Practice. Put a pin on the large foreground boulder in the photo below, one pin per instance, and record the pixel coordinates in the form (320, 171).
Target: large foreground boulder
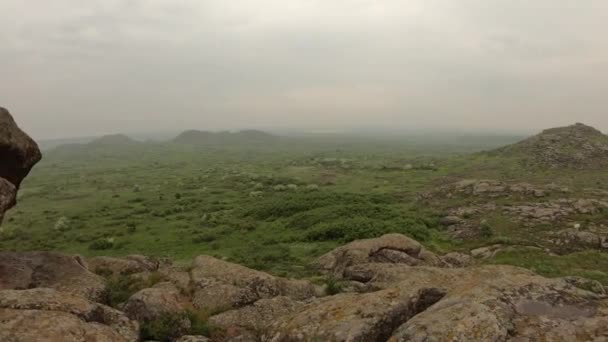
(18, 154)
(25, 270)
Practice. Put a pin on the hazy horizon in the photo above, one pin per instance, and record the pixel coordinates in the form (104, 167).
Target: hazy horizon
(78, 69)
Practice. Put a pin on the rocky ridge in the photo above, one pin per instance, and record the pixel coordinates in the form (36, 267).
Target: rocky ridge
(575, 147)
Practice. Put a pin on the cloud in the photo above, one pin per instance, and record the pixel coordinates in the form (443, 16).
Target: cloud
(75, 67)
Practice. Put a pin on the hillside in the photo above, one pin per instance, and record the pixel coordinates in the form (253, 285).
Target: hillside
(194, 137)
(574, 147)
(113, 139)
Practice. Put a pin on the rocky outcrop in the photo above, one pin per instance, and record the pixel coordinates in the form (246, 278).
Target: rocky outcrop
(41, 313)
(390, 248)
(251, 323)
(503, 303)
(209, 272)
(18, 154)
(69, 274)
(577, 147)
(489, 188)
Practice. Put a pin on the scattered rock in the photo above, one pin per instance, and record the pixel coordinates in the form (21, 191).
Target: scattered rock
(486, 252)
(450, 220)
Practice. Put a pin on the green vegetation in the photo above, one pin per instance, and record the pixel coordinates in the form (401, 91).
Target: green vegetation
(271, 206)
(120, 288)
(171, 326)
(587, 264)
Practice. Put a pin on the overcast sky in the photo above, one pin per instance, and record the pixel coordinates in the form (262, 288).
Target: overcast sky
(79, 68)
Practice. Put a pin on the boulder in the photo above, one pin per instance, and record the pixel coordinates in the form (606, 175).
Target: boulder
(29, 314)
(574, 238)
(18, 154)
(152, 303)
(456, 259)
(123, 266)
(214, 296)
(247, 323)
(450, 220)
(496, 303)
(263, 285)
(390, 248)
(25, 270)
(354, 317)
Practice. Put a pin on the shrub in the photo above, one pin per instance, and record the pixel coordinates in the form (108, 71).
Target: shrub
(165, 329)
(122, 287)
(486, 231)
(206, 237)
(131, 228)
(333, 286)
(101, 244)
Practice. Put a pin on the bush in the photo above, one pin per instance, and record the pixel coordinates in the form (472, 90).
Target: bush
(122, 287)
(101, 245)
(356, 228)
(165, 329)
(333, 286)
(486, 231)
(206, 237)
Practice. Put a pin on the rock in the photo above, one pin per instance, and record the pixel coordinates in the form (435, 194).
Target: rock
(486, 252)
(178, 277)
(246, 323)
(152, 303)
(354, 317)
(263, 285)
(24, 270)
(29, 314)
(18, 154)
(456, 259)
(123, 266)
(496, 303)
(190, 338)
(576, 238)
(32, 325)
(450, 220)
(587, 284)
(390, 248)
(216, 297)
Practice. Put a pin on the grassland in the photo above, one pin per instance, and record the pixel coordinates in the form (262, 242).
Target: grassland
(273, 208)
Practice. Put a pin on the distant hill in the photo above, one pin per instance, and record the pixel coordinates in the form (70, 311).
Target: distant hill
(576, 147)
(113, 139)
(194, 137)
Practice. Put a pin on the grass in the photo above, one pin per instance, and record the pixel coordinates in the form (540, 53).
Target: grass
(271, 208)
(587, 264)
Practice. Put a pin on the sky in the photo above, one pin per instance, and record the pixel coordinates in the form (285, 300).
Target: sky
(79, 68)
